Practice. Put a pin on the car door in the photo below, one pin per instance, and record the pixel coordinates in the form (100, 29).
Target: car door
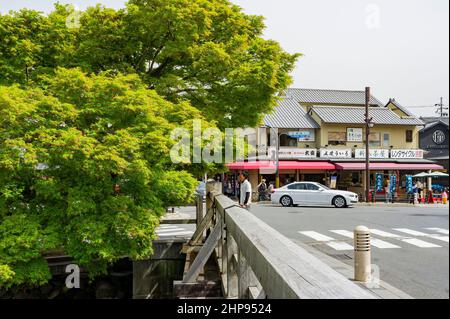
(315, 195)
(296, 192)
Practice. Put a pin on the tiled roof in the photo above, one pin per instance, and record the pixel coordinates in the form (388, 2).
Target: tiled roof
(339, 97)
(289, 114)
(402, 108)
(356, 115)
(434, 119)
(433, 124)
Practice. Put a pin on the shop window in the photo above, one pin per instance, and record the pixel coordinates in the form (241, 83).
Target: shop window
(409, 136)
(356, 178)
(375, 140)
(337, 138)
(287, 141)
(386, 140)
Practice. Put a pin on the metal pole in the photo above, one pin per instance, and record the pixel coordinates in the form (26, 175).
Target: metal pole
(277, 178)
(367, 120)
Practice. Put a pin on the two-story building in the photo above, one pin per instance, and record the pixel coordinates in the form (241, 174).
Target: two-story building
(321, 136)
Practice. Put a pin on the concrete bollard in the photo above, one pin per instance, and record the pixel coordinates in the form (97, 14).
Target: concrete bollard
(363, 269)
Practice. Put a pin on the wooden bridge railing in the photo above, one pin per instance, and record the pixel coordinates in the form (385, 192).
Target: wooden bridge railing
(256, 261)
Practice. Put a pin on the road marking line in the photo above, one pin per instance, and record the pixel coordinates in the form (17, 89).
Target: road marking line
(420, 234)
(167, 227)
(384, 234)
(330, 242)
(382, 244)
(373, 241)
(180, 233)
(420, 243)
(169, 230)
(344, 233)
(439, 230)
(316, 236)
(340, 246)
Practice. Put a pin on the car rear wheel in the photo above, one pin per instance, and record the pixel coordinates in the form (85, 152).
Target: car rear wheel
(339, 202)
(286, 201)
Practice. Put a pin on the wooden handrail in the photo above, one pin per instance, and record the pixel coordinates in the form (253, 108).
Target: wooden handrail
(270, 261)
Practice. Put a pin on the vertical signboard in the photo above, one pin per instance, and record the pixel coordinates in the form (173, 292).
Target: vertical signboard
(409, 184)
(393, 183)
(379, 182)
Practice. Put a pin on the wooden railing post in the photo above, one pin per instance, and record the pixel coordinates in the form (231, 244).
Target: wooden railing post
(232, 262)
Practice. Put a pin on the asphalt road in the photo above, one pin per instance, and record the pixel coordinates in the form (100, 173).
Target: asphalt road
(412, 252)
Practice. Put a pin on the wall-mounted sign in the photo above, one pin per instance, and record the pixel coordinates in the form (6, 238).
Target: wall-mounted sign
(354, 135)
(295, 153)
(374, 154)
(407, 154)
(303, 136)
(335, 153)
(439, 137)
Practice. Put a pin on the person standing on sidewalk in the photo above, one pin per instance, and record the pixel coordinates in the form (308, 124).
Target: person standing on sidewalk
(245, 198)
(387, 190)
(262, 190)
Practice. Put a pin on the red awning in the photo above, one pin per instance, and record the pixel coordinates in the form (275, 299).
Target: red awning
(284, 165)
(388, 167)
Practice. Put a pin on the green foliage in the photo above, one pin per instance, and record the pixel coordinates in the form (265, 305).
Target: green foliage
(85, 166)
(207, 52)
(86, 116)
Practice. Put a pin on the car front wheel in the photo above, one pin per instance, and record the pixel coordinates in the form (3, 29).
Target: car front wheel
(339, 202)
(286, 201)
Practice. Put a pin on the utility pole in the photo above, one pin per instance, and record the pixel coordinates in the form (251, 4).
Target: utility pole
(441, 108)
(368, 121)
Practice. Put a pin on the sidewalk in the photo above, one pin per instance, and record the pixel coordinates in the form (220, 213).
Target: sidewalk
(383, 204)
(382, 291)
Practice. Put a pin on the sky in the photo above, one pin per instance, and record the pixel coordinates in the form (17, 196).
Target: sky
(400, 48)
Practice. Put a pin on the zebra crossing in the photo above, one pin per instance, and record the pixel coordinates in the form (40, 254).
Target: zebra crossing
(165, 231)
(425, 238)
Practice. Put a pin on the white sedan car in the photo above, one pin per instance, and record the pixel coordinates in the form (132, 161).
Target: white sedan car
(309, 193)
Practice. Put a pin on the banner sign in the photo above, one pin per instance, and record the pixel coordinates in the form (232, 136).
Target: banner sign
(335, 153)
(407, 154)
(303, 136)
(409, 184)
(374, 154)
(354, 135)
(333, 182)
(393, 185)
(379, 182)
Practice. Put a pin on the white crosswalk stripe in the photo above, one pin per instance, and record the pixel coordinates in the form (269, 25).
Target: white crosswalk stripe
(374, 242)
(409, 237)
(382, 233)
(179, 233)
(316, 236)
(421, 234)
(420, 243)
(331, 242)
(439, 230)
(169, 230)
